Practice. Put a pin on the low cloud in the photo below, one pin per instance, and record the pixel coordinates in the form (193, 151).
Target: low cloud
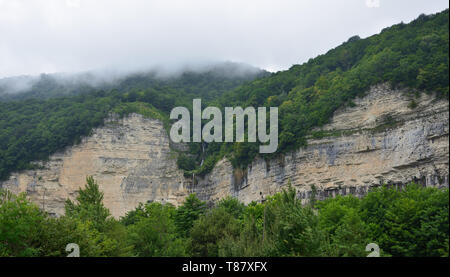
(44, 36)
(109, 78)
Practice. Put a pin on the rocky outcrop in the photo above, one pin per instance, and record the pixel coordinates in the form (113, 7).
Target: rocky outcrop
(381, 139)
(129, 158)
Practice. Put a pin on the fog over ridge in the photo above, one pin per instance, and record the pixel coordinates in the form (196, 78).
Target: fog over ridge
(108, 78)
(50, 36)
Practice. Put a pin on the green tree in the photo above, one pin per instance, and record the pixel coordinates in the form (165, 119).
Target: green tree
(210, 230)
(154, 233)
(191, 209)
(249, 243)
(89, 206)
(108, 234)
(346, 232)
(232, 205)
(20, 226)
(291, 229)
(410, 222)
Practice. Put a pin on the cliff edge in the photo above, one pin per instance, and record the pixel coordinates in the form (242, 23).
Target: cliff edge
(387, 137)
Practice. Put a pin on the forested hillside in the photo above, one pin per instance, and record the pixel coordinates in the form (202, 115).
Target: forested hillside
(38, 122)
(412, 222)
(207, 82)
(403, 220)
(413, 55)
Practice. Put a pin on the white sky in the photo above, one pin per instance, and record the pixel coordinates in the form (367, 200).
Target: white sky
(39, 36)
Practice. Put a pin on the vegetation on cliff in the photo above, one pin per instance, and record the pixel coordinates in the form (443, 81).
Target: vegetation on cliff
(413, 55)
(409, 222)
(36, 124)
(51, 116)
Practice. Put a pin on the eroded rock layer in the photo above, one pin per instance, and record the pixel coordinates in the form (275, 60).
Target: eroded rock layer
(381, 139)
(129, 158)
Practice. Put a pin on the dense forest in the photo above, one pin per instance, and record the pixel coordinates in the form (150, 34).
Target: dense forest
(52, 115)
(206, 82)
(36, 123)
(412, 222)
(413, 55)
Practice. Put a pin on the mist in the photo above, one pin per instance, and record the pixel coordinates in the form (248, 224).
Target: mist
(106, 79)
(113, 38)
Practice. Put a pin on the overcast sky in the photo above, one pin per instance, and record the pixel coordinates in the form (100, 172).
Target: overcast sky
(45, 36)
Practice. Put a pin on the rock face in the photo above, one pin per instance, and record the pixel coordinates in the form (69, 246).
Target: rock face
(129, 158)
(378, 140)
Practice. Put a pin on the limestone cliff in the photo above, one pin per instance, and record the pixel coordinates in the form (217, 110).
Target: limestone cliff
(130, 159)
(381, 139)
